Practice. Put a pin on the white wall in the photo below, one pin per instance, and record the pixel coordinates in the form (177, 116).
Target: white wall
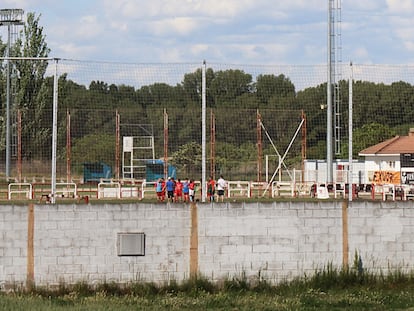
(381, 163)
(382, 234)
(279, 240)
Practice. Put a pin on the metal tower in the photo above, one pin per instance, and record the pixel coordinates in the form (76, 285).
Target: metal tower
(12, 18)
(337, 77)
(333, 84)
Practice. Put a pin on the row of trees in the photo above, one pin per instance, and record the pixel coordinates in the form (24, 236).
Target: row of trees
(380, 111)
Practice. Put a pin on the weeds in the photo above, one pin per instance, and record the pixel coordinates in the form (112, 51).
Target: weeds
(326, 279)
(329, 288)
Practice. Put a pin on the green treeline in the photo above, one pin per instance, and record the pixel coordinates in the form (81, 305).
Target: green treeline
(380, 112)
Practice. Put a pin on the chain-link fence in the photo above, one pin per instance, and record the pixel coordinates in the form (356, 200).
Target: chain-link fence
(140, 121)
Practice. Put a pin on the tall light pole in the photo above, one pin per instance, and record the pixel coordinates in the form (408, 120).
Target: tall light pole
(10, 18)
(329, 153)
(203, 132)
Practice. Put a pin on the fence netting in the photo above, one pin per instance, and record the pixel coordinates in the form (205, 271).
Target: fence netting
(142, 120)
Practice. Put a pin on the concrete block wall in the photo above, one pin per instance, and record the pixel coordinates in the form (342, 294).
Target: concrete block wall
(13, 244)
(75, 243)
(277, 240)
(381, 233)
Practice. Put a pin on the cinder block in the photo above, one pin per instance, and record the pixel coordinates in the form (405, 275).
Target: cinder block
(7, 209)
(66, 225)
(121, 267)
(284, 231)
(408, 211)
(74, 271)
(15, 217)
(46, 260)
(97, 260)
(244, 249)
(19, 226)
(261, 248)
(322, 229)
(46, 225)
(259, 258)
(72, 251)
(306, 247)
(12, 252)
(65, 260)
(408, 247)
(290, 265)
(19, 262)
(6, 226)
(282, 257)
(313, 222)
(305, 213)
(105, 270)
(228, 249)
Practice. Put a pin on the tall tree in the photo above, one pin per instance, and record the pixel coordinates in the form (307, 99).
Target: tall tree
(31, 98)
(228, 85)
(274, 87)
(192, 85)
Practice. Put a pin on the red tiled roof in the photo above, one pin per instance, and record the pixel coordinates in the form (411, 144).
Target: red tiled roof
(395, 145)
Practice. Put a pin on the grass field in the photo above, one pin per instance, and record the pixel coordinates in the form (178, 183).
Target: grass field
(326, 290)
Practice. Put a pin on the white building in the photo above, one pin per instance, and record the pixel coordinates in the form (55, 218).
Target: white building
(391, 161)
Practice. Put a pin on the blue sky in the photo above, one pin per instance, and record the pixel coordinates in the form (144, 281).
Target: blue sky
(223, 31)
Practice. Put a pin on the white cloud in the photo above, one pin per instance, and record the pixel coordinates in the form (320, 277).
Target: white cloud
(403, 29)
(409, 45)
(314, 52)
(238, 31)
(400, 6)
(87, 27)
(178, 25)
(197, 49)
(249, 52)
(374, 6)
(361, 53)
(119, 26)
(171, 55)
(75, 51)
(187, 15)
(14, 4)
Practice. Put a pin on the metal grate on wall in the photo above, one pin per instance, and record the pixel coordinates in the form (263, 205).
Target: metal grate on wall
(131, 244)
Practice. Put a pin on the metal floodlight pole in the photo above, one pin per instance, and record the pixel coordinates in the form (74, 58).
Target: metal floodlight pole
(329, 152)
(9, 17)
(203, 133)
(8, 105)
(350, 138)
(54, 133)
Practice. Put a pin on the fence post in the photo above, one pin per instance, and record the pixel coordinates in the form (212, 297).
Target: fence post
(194, 241)
(30, 248)
(345, 242)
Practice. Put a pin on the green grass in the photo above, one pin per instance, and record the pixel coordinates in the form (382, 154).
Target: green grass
(327, 289)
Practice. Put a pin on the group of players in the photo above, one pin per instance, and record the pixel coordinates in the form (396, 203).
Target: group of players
(184, 191)
(175, 190)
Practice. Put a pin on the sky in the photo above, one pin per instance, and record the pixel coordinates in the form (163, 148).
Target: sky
(223, 31)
